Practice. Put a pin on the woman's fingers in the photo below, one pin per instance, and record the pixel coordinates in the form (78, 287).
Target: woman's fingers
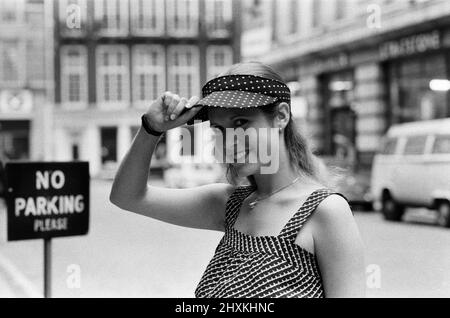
(179, 108)
(172, 105)
(182, 107)
(190, 111)
(167, 98)
(192, 101)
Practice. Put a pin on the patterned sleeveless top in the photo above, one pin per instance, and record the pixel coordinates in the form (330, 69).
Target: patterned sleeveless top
(246, 266)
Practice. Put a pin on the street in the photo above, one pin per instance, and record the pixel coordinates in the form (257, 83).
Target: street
(127, 255)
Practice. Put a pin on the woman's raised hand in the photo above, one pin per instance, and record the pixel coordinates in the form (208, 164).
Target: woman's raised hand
(167, 111)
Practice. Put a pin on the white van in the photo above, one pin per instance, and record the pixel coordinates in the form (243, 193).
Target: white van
(412, 168)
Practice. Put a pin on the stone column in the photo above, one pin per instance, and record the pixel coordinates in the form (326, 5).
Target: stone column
(123, 140)
(370, 106)
(315, 129)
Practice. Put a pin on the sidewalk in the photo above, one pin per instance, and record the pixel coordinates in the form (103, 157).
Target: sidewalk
(5, 289)
(13, 284)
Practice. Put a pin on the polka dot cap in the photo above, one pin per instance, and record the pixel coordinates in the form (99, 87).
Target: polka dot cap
(240, 91)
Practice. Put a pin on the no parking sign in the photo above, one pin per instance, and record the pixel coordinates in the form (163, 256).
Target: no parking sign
(47, 199)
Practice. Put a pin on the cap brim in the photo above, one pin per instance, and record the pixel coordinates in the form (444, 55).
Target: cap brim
(230, 99)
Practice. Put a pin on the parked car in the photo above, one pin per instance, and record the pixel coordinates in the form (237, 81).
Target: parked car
(189, 175)
(354, 184)
(356, 188)
(412, 168)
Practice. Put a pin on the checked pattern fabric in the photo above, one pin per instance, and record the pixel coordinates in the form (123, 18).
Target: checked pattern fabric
(246, 266)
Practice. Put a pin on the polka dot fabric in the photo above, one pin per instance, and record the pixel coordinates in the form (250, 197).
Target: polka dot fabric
(241, 91)
(246, 266)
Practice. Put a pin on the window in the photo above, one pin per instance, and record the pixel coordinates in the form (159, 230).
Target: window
(12, 61)
(75, 152)
(183, 72)
(441, 144)
(111, 17)
(11, 11)
(287, 22)
(317, 13)
(218, 17)
(219, 58)
(74, 76)
(182, 17)
(341, 9)
(147, 17)
(415, 145)
(293, 16)
(389, 146)
(112, 76)
(411, 95)
(35, 57)
(72, 16)
(148, 73)
(108, 136)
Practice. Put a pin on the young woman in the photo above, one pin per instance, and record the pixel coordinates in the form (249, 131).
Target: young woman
(286, 233)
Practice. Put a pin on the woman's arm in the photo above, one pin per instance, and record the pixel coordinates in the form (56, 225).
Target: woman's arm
(199, 207)
(339, 249)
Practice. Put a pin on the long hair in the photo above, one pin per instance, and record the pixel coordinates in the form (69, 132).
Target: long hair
(301, 157)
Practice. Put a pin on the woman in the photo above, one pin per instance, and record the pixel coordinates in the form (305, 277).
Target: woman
(286, 233)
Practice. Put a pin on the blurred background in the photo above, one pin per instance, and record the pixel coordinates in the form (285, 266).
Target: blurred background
(75, 76)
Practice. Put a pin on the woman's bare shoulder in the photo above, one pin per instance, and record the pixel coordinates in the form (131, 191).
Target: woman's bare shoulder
(332, 214)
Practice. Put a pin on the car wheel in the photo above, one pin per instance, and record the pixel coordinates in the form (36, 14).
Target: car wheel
(392, 211)
(443, 209)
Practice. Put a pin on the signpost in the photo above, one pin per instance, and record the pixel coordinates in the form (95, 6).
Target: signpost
(46, 200)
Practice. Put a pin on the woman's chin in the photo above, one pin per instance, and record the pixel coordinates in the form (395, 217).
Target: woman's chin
(244, 170)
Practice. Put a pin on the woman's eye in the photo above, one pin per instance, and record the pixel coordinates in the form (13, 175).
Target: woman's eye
(240, 122)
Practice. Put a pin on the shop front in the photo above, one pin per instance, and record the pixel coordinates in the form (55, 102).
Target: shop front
(355, 94)
(14, 140)
(418, 88)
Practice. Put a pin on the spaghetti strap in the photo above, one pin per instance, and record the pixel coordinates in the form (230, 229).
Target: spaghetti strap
(294, 225)
(234, 203)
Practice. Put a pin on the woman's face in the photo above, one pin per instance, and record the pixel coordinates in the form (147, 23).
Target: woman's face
(244, 136)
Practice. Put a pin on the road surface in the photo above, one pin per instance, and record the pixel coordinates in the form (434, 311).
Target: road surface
(127, 255)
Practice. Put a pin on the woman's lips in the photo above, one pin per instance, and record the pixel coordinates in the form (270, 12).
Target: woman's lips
(233, 156)
(241, 157)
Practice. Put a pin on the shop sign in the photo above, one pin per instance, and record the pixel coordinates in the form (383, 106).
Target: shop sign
(332, 63)
(410, 45)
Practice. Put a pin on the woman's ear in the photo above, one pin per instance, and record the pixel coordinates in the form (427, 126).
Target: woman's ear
(283, 115)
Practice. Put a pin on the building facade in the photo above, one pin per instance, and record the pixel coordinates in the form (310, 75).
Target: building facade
(25, 106)
(113, 58)
(362, 66)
